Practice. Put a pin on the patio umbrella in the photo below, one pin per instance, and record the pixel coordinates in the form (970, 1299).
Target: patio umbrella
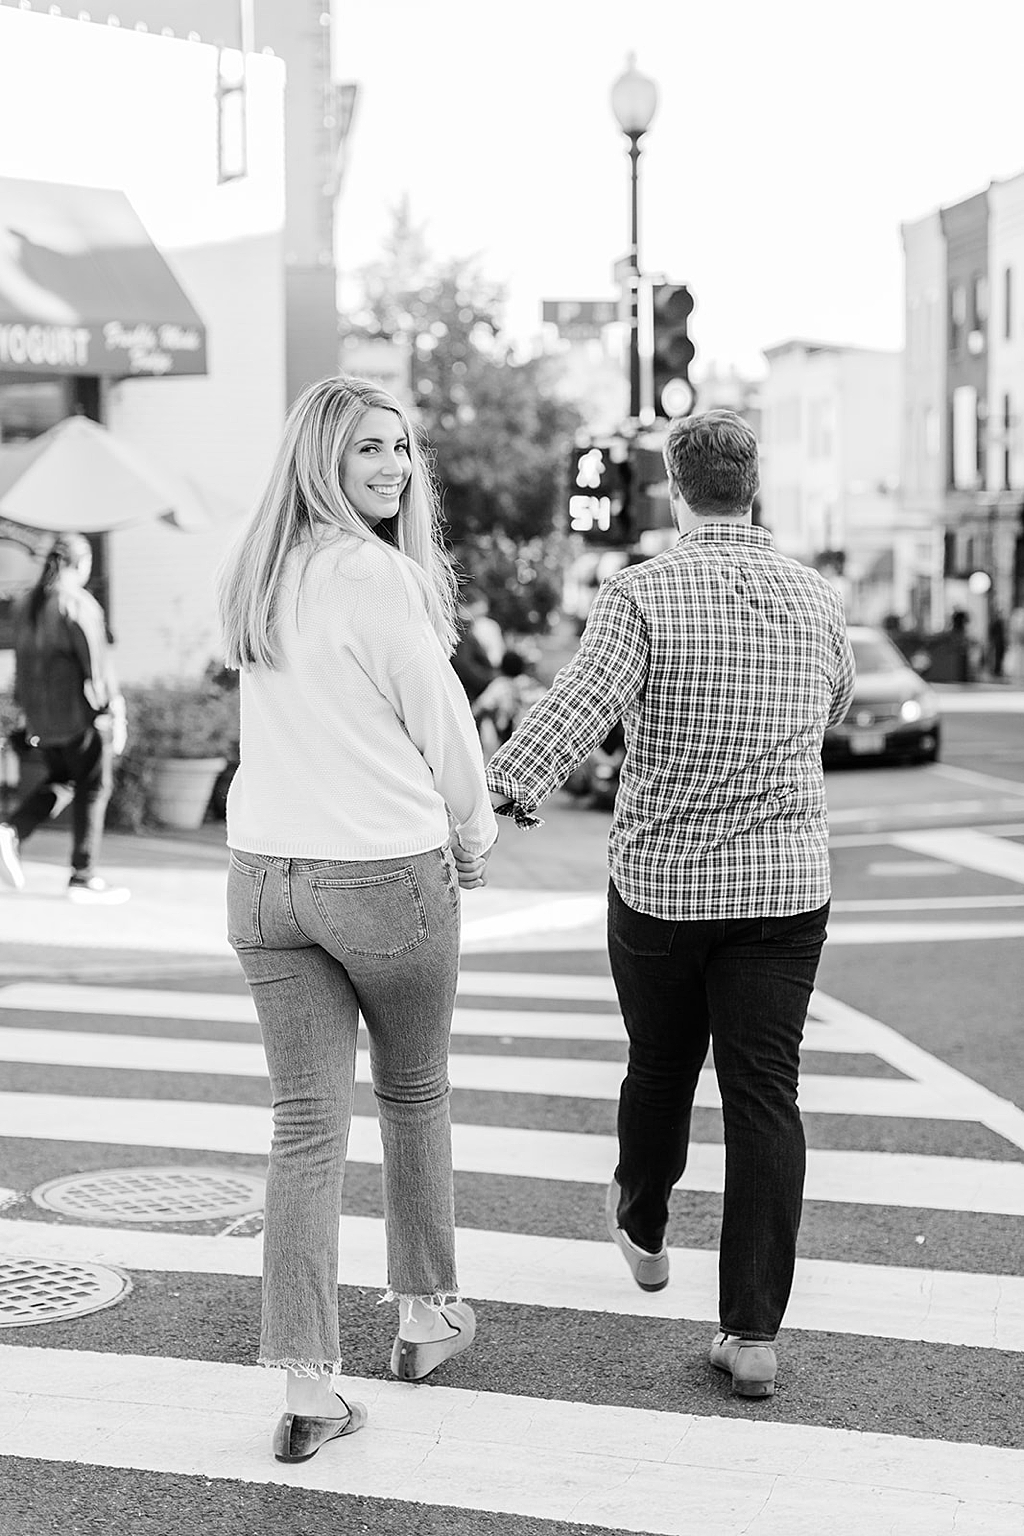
(81, 476)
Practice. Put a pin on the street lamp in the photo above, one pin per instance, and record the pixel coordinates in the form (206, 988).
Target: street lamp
(634, 101)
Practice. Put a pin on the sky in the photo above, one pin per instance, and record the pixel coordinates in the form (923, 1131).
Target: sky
(792, 138)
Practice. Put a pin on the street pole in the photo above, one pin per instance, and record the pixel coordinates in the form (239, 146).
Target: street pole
(634, 276)
(634, 100)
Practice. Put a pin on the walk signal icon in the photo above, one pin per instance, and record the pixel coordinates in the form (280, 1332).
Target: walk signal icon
(590, 468)
(672, 305)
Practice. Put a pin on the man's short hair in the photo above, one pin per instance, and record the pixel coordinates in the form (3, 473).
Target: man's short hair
(712, 462)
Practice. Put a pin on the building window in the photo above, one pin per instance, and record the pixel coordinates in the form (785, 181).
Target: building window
(979, 300)
(819, 429)
(1008, 303)
(957, 316)
(964, 438)
(1007, 462)
(232, 146)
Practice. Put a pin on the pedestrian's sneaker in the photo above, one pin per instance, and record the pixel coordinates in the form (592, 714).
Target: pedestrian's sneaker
(11, 872)
(94, 891)
(750, 1362)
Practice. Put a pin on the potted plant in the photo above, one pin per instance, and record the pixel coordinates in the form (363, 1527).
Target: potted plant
(181, 736)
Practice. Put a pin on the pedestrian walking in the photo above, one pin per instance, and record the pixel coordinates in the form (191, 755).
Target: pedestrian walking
(507, 696)
(357, 743)
(725, 663)
(73, 713)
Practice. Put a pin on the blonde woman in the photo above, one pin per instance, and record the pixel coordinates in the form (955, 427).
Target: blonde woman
(359, 753)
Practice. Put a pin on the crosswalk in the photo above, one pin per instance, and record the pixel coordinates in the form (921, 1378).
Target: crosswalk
(585, 1401)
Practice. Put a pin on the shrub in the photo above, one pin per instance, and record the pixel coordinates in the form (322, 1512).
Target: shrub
(169, 719)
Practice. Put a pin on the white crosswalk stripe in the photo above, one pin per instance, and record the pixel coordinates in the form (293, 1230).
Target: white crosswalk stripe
(619, 1468)
(574, 1079)
(858, 1178)
(624, 1469)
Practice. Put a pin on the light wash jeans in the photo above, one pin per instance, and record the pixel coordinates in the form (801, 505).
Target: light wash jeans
(321, 943)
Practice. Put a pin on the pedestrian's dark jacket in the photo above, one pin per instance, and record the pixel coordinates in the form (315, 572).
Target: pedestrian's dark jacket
(472, 665)
(64, 673)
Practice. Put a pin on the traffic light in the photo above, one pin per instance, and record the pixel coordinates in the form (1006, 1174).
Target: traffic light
(599, 500)
(672, 304)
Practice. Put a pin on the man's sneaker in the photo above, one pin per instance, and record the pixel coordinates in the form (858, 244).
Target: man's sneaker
(750, 1362)
(649, 1270)
(95, 891)
(11, 872)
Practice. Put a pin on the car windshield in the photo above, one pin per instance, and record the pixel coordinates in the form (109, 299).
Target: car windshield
(874, 653)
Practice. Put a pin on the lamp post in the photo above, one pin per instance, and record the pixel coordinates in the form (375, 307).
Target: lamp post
(634, 101)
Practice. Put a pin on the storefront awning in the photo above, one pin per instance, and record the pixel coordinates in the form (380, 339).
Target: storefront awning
(81, 476)
(84, 290)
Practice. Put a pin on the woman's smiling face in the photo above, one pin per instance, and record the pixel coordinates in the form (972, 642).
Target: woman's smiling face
(375, 466)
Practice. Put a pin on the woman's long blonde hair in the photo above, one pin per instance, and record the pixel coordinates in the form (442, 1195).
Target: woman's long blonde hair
(304, 497)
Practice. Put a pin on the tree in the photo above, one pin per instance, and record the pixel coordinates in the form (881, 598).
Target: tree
(498, 429)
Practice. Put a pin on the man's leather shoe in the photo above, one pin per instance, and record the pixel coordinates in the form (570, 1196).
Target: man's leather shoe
(751, 1363)
(412, 1360)
(649, 1270)
(299, 1436)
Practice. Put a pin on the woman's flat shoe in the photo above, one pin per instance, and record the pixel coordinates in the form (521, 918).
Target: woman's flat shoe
(411, 1360)
(299, 1436)
(750, 1362)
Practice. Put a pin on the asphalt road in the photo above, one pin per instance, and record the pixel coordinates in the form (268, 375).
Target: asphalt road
(908, 1317)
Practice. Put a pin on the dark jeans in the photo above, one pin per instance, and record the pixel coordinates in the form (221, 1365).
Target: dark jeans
(743, 983)
(80, 771)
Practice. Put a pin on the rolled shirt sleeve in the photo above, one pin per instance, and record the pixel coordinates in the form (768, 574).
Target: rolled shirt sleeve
(589, 694)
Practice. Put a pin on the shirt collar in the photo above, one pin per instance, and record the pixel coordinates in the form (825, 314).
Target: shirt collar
(729, 533)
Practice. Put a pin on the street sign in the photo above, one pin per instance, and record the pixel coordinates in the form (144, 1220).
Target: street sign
(579, 319)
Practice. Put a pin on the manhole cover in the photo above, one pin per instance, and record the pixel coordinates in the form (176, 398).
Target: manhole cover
(153, 1194)
(48, 1291)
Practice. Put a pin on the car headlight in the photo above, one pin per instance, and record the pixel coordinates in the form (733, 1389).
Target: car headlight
(911, 711)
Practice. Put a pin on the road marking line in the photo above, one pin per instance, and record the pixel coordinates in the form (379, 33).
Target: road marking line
(161, 1003)
(544, 917)
(1006, 701)
(877, 1301)
(871, 816)
(972, 776)
(877, 1039)
(916, 868)
(857, 1178)
(927, 903)
(619, 1468)
(845, 934)
(831, 1094)
(968, 848)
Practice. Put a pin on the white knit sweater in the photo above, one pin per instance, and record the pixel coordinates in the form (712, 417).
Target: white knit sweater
(355, 745)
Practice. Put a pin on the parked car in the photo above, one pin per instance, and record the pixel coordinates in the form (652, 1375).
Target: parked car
(894, 714)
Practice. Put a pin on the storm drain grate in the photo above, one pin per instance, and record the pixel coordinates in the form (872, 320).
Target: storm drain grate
(153, 1194)
(49, 1291)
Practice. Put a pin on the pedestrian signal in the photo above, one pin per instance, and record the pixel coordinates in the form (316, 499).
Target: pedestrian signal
(672, 305)
(599, 493)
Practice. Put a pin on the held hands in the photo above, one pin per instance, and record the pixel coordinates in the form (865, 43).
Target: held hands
(470, 867)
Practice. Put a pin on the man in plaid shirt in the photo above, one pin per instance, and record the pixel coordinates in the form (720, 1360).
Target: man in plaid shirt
(725, 662)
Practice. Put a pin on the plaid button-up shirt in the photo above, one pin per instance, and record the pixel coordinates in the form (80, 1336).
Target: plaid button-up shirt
(725, 662)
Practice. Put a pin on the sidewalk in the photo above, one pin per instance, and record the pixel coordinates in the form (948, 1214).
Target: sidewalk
(175, 919)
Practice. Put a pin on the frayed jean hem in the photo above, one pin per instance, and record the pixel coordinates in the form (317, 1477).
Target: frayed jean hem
(436, 1302)
(312, 1370)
